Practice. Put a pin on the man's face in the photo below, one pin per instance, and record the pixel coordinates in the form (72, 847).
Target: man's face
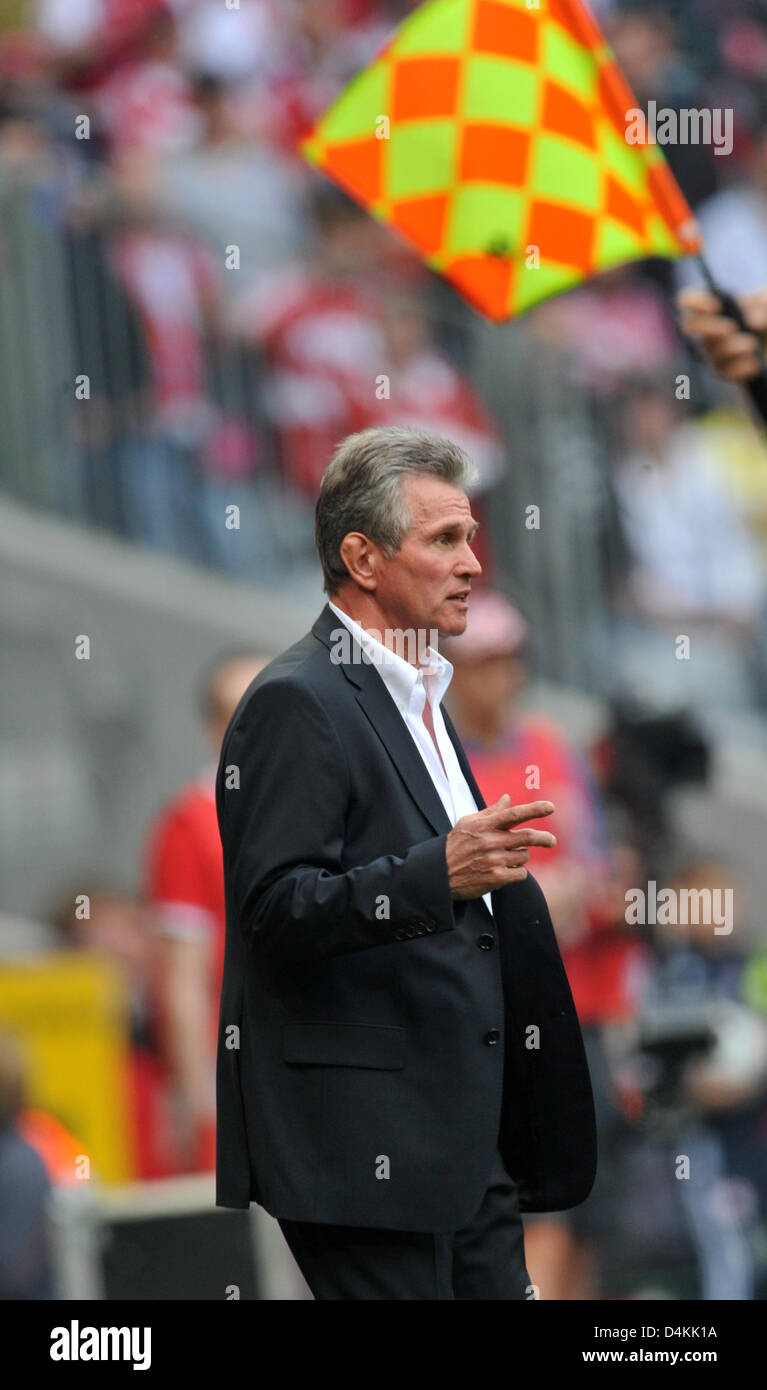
(425, 585)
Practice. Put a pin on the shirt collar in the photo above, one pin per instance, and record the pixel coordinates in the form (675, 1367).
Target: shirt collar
(407, 684)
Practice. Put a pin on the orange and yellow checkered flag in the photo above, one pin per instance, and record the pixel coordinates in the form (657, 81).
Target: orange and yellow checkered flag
(491, 135)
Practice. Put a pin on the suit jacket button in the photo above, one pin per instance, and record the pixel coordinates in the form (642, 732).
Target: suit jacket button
(399, 934)
(492, 1037)
(430, 926)
(485, 941)
(410, 930)
(420, 930)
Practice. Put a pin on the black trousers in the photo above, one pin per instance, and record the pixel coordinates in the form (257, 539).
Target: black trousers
(484, 1260)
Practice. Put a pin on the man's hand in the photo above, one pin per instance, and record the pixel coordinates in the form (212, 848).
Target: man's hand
(733, 354)
(484, 850)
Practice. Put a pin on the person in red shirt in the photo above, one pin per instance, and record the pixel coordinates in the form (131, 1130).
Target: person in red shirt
(349, 345)
(184, 885)
(115, 929)
(316, 324)
(528, 755)
(521, 751)
(414, 383)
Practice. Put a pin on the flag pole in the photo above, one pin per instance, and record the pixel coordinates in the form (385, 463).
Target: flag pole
(756, 388)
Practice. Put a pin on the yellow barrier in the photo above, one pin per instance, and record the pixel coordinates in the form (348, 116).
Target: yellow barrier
(70, 1015)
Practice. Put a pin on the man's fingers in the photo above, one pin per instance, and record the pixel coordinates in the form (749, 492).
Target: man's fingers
(737, 360)
(518, 858)
(532, 837)
(516, 875)
(735, 355)
(738, 345)
(702, 315)
(697, 301)
(709, 328)
(503, 817)
(507, 841)
(742, 368)
(755, 310)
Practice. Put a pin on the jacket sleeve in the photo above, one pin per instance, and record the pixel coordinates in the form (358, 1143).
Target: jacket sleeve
(282, 795)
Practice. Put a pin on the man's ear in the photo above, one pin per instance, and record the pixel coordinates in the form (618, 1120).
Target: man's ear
(360, 555)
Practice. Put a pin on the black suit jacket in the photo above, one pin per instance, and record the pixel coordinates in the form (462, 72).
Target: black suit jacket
(377, 1039)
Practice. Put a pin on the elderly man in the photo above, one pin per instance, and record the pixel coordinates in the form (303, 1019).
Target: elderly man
(400, 1065)
(185, 894)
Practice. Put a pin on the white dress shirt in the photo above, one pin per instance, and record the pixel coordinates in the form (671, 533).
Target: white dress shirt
(409, 688)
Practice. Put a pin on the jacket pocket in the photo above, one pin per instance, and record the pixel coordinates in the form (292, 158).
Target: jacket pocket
(345, 1045)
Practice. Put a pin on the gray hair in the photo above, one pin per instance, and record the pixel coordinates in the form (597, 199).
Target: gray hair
(361, 489)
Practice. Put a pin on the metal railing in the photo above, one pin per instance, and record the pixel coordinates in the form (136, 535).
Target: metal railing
(65, 321)
(103, 1239)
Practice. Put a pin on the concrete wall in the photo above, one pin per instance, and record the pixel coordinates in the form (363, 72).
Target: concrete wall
(90, 748)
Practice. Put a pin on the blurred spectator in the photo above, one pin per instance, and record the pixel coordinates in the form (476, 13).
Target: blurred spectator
(26, 1270)
(320, 48)
(193, 457)
(513, 749)
(418, 386)
(349, 346)
(35, 182)
(642, 761)
(110, 347)
(525, 755)
(645, 40)
(694, 568)
(147, 105)
(516, 751)
(421, 388)
(231, 47)
(734, 227)
(91, 37)
(116, 929)
(730, 438)
(318, 327)
(738, 453)
(172, 282)
(720, 1094)
(184, 886)
(692, 557)
(611, 328)
(233, 190)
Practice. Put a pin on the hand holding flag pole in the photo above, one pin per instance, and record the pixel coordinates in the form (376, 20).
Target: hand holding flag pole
(756, 386)
(501, 141)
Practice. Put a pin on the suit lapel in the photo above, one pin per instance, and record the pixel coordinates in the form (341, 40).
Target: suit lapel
(386, 721)
(463, 761)
(388, 724)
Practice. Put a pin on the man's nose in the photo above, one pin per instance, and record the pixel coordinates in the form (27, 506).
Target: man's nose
(469, 563)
